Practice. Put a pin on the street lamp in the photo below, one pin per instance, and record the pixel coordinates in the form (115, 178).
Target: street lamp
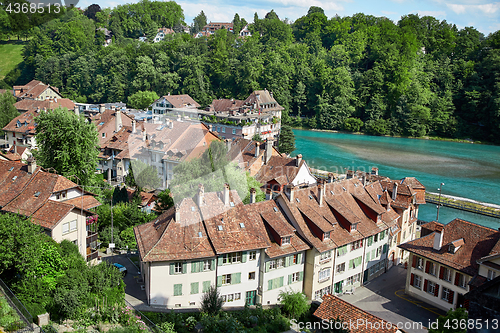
(439, 201)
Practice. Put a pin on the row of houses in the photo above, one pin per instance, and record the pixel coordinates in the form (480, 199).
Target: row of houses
(58, 205)
(319, 239)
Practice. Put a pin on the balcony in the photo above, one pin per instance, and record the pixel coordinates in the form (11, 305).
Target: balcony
(91, 255)
(91, 237)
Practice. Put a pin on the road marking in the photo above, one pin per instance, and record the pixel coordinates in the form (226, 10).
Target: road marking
(417, 303)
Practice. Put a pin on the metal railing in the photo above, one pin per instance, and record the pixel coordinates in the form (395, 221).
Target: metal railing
(458, 205)
(151, 326)
(18, 306)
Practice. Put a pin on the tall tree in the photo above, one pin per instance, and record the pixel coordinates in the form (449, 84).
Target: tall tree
(68, 143)
(287, 140)
(7, 109)
(142, 99)
(199, 22)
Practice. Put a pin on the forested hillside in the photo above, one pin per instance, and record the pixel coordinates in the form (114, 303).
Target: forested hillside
(419, 76)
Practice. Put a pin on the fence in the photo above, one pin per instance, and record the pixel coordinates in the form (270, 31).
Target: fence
(151, 326)
(462, 206)
(18, 307)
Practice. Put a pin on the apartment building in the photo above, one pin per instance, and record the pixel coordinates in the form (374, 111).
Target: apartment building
(446, 263)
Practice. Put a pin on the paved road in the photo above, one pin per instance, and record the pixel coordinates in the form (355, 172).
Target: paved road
(385, 297)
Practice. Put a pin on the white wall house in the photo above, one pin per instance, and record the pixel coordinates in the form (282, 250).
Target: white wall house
(443, 264)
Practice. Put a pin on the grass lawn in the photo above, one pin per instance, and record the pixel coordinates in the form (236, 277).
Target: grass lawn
(11, 55)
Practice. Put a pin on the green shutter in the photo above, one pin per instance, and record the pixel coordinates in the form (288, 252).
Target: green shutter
(219, 281)
(235, 278)
(194, 267)
(206, 286)
(184, 267)
(374, 254)
(290, 278)
(172, 268)
(301, 276)
(359, 261)
(299, 259)
(178, 289)
(195, 288)
(219, 261)
(281, 281)
(244, 256)
(384, 249)
(267, 266)
(368, 256)
(350, 263)
(212, 267)
(287, 261)
(270, 285)
(370, 240)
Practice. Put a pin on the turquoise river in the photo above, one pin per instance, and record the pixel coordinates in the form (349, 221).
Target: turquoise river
(467, 170)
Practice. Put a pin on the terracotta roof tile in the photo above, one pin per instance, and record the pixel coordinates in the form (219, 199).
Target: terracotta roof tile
(51, 213)
(333, 308)
(14, 177)
(225, 105)
(63, 183)
(88, 202)
(478, 243)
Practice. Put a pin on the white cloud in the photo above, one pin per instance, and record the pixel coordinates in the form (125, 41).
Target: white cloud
(436, 14)
(490, 8)
(459, 9)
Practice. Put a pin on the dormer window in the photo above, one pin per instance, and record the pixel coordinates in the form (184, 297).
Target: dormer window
(326, 235)
(353, 227)
(285, 240)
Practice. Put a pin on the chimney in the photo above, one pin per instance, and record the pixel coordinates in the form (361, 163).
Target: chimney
(102, 108)
(134, 129)
(31, 165)
(118, 120)
(269, 151)
(363, 180)
(226, 194)
(177, 217)
(438, 237)
(201, 192)
(171, 124)
(144, 133)
(269, 194)
(298, 159)
(253, 195)
(291, 191)
(37, 109)
(375, 171)
(257, 149)
(321, 194)
(77, 110)
(228, 144)
(394, 191)
(331, 177)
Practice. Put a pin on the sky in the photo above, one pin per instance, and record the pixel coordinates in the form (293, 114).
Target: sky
(484, 15)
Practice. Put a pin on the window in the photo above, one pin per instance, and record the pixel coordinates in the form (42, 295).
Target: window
(295, 277)
(218, 129)
(178, 267)
(226, 279)
(417, 282)
(295, 259)
(178, 289)
(356, 245)
(251, 276)
(446, 274)
(252, 255)
(223, 130)
(285, 240)
(326, 235)
(462, 281)
(379, 251)
(234, 131)
(73, 226)
(491, 274)
(420, 263)
(353, 263)
(231, 258)
(206, 286)
(369, 241)
(272, 264)
(103, 135)
(325, 256)
(431, 268)
(207, 265)
(275, 283)
(375, 238)
(280, 262)
(342, 251)
(319, 293)
(195, 287)
(324, 274)
(353, 279)
(65, 228)
(237, 296)
(341, 268)
(445, 295)
(431, 287)
(230, 297)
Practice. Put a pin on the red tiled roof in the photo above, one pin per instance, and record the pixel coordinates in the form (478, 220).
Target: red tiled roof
(51, 104)
(333, 308)
(51, 213)
(63, 183)
(88, 202)
(478, 243)
(181, 101)
(13, 182)
(226, 105)
(25, 120)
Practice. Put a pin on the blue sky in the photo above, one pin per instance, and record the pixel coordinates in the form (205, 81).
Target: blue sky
(484, 15)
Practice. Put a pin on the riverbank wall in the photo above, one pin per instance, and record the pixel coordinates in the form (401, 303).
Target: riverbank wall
(465, 204)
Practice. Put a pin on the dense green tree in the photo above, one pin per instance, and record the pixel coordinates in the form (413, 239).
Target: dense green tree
(142, 99)
(165, 201)
(295, 304)
(68, 143)
(286, 142)
(92, 11)
(211, 301)
(445, 324)
(145, 176)
(199, 22)
(7, 109)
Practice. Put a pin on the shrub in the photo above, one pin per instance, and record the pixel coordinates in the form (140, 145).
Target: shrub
(295, 304)
(211, 301)
(353, 124)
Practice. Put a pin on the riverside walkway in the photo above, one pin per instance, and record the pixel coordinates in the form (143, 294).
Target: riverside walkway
(465, 204)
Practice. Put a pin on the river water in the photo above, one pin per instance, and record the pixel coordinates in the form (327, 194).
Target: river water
(467, 170)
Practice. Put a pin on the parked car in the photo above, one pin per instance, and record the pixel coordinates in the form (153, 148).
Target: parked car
(121, 268)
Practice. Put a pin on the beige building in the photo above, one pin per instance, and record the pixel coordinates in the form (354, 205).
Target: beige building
(55, 203)
(36, 90)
